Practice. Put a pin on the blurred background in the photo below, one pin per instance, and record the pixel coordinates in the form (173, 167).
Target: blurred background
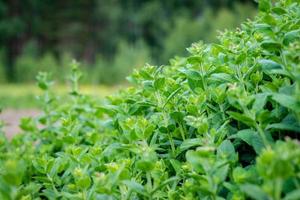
(108, 37)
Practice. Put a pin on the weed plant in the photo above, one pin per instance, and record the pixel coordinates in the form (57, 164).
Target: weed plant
(222, 123)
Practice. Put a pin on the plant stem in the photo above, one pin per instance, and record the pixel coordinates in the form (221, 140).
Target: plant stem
(262, 135)
(278, 188)
(222, 111)
(181, 131)
(149, 184)
(172, 144)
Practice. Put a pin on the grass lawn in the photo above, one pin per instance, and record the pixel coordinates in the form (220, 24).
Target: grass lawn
(23, 96)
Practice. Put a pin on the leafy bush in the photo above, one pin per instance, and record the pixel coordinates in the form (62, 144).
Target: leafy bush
(127, 58)
(104, 71)
(187, 30)
(28, 65)
(111, 52)
(31, 61)
(222, 123)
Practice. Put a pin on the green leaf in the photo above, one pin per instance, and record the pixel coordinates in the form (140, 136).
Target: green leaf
(195, 85)
(284, 126)
(251, 138)
(294, 195)
(221, 77)
(176, 165)
(111, 149)
(271, 45)
(286, 101)
(289, 123)
(240, 175)
(194, 158)
(269, 65)
(264, 5)
(104, 197)
(190, 143)
(159, 83)
(272, 67)
(139, 107)
(254, 192)
(192, 74)
(138, 188)
(163, 184)
(260, 101)
(171, 96)
(265, 28)
(291, 36)
(226, 149)
(194, 59)
(278, 10)
(84, 182)
(145, 165)
(50, 194)
(55, 167)
(199, 158)
(148, 85)
(242, 118)
(108, 109)
(177, 116)
(221, 173)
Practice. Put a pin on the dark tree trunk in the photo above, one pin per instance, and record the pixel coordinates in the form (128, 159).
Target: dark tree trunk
(14, 42)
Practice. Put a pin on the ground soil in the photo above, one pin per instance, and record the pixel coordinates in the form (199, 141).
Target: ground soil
(11, 118)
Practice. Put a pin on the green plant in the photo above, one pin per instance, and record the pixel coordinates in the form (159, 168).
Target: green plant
(28, 65)
(127, 58)
(205, 28)
(222, 123)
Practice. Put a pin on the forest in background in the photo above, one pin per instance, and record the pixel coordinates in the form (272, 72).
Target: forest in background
(109, 38)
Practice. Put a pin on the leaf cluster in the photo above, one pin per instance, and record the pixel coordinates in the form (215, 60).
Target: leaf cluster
(222, 123)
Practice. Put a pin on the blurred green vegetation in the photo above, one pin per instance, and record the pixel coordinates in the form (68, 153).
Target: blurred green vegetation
(109, 38)
(20, 96)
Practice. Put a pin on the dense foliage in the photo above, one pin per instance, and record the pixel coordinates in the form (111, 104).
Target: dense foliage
(222, 123)
(43, 34)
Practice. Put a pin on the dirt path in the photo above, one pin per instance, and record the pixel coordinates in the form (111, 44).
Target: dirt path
(12, 118)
